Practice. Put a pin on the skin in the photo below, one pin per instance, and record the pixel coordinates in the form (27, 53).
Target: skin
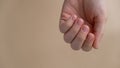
(82, 22)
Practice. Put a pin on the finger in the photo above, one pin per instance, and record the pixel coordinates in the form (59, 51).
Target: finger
(69, 36)
(88, 42)
(98, 30)
(65, 16)
(78, 41)
(66, 25)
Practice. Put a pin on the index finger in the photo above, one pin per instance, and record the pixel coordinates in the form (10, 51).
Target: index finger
(66, 24)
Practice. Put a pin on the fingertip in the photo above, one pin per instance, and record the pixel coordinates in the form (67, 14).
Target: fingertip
(88, 43)
(75, 47)
(92, 36)
(85, 28)
(74, 17)
(80, 21)
(97, 41)
(95, 45)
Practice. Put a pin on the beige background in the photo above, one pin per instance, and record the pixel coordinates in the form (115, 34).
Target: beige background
(30, 37)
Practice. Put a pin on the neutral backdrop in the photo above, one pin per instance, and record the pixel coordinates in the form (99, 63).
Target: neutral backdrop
(30, 37)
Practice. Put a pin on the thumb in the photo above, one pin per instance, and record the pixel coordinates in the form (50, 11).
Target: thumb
(98, 30)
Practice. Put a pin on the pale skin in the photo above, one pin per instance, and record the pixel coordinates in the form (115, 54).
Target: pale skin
(83, 22)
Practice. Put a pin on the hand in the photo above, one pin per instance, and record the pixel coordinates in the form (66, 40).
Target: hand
(82, 22)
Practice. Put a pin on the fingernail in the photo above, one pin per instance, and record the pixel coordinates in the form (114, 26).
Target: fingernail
(95, 45)
(85, 28)
(80, 21)
(74, 17)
